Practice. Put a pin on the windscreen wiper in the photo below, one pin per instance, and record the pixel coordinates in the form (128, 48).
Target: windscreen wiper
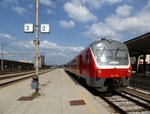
(116, 52)
(102, 51)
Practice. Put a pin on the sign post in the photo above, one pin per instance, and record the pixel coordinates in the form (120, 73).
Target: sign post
(36, 77)
(29, 28)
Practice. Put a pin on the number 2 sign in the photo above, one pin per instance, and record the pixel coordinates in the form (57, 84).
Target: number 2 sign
(45, 28)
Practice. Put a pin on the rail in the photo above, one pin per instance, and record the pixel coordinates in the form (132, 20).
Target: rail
(10, 78)
(125, 103)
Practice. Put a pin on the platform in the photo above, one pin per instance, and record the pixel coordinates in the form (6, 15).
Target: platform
(60, 94)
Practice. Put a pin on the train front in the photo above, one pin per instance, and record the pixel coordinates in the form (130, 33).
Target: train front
(113, 68)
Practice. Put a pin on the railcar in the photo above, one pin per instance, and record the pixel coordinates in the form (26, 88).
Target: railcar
(104, 65)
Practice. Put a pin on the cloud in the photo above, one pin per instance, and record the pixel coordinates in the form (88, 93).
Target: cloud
(26, 44)
(111, 2)
(65, 24)
(56, 54)
(30, 6)
(122, 22)
(8, 2)
(53, 51)
(60, 53)
(73, 49)
(19, 10)
(53, 58)
(14, 4)
(47, 2)
(124, 10)
(146, 9)
(49, 11)
(51, 45)
(96, 4)
(100, 30)
(14, 41)
(79, 12)
(136, 23)
(7, 36)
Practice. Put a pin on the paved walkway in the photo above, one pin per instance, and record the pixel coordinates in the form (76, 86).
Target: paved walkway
(57, 90)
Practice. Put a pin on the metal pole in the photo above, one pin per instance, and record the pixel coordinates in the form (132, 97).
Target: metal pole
(36, 78)
(2, 57)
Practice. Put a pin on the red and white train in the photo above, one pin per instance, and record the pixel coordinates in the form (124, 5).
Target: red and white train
(104, 64)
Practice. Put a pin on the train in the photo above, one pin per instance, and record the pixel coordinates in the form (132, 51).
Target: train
(104, 65)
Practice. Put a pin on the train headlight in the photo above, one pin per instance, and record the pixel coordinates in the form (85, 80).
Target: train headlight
(99, 71)
(129, 73)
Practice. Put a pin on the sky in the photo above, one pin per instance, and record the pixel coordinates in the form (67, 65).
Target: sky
(74, 24)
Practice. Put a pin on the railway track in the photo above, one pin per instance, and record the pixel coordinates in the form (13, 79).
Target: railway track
(145, 95)
(17, 76)
(124, 103)
(4, 72)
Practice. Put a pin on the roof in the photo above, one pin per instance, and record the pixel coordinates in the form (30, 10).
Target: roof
(139, 45)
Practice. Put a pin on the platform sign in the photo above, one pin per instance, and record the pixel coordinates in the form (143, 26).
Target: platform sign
(28, 28)
(45, 28)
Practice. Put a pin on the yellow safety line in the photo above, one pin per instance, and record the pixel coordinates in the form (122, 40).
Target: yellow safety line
(83, 96)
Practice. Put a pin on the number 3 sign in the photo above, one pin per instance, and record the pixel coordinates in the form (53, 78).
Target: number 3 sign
(45, 28)
(28, 28)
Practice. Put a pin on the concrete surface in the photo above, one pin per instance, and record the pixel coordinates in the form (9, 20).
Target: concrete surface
(57, 90)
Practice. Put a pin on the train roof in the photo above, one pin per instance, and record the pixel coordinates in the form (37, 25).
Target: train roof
(106, 43)
(103, 40)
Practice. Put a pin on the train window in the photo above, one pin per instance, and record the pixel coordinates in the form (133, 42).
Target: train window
(97, 51)
(80, 60)
(111, 56)
(120, 53)
(73, 62)
(87, 57)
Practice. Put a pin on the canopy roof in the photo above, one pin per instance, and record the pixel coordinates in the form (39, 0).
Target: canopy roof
(139, 45)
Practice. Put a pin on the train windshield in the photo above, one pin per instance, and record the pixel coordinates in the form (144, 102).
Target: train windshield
(111, 56)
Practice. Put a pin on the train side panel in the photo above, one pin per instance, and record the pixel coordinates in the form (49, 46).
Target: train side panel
(87, 64)
(89, 69)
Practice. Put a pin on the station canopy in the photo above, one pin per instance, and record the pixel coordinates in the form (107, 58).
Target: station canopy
(139, 45)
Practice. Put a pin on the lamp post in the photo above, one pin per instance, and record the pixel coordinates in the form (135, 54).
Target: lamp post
(36, 41)
(29, 28)
(2, 56)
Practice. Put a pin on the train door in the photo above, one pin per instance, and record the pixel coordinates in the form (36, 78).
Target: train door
(87, 59)
(80, 65)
